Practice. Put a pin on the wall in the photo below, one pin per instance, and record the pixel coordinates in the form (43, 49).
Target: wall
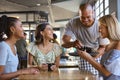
(115, 8)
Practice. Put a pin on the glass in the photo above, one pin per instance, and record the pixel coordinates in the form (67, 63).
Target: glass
(101, 14)
(97, 12)
(97, 4)
(101, 8)
(107, 11)
(106, 3)
(98, 17)
(101, 1)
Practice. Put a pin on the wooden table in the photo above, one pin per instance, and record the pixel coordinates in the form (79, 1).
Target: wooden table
(61, 74)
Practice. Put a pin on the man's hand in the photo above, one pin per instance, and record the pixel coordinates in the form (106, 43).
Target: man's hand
(77, 44)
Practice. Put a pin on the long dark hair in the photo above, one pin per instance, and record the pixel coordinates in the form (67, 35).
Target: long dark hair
(38, 36)
(5, 24)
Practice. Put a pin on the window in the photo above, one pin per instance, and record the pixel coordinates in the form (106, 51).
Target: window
(101, 14)
(101, 1)
(97, 12)
(106, 3)
(106, 11)
(101, 8)
(97, 4)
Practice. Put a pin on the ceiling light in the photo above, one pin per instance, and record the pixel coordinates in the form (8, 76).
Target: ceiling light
(38, 4)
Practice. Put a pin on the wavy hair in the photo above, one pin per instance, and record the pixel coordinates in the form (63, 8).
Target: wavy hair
(38, 36)
(113, 26)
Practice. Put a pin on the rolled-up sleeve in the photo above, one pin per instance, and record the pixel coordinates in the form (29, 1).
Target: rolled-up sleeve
(68, 30)
(104, 41)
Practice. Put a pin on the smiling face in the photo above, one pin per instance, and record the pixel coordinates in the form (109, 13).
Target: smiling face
(18, 30)
(86, 17)
(103, 30)
(48, 32)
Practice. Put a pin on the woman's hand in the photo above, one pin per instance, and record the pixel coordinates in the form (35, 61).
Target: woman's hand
(43, 66)
(84, 55)
(31, 70)
(54, 68)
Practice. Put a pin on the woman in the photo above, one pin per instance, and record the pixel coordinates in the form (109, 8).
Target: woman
(43, 50)
(10, 31)
(110, 62)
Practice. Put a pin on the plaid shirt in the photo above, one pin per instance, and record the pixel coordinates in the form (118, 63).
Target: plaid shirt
(84, 65)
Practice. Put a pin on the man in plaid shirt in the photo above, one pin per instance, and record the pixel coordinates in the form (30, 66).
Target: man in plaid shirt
(86, 31)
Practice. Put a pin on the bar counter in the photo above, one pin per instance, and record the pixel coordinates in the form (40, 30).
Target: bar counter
(61, 74)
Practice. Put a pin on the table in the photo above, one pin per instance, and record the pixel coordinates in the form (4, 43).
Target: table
(61, 74)
(63, 64)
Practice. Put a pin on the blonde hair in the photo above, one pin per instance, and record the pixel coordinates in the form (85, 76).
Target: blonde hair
(113, 26)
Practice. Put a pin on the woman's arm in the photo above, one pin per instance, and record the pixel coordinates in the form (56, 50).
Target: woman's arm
(30, 59)
(95, 64)
(57, 61)
(56, 66)
(8, 76)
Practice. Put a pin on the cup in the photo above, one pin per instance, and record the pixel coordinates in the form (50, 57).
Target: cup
(49, 66)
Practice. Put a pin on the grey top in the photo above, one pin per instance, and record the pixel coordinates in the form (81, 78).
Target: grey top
(88, 36)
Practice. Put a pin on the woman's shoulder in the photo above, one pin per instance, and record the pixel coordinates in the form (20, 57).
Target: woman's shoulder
(3, 44)
(115, 53)
(113, 62)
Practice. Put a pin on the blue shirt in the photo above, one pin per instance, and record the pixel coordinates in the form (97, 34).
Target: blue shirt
(7, 58)
(111, 62)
